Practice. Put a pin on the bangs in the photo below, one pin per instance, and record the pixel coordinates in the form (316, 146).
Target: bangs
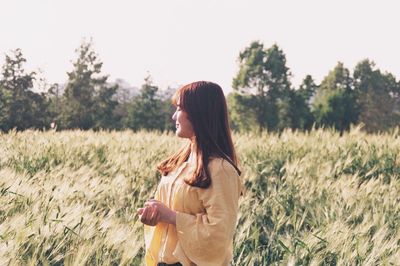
(175, 98)
(179, 97)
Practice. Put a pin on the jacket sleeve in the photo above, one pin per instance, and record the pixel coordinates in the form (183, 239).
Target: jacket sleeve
(206, 237)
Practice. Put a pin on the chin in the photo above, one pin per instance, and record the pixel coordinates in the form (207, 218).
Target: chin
(181, 134)
(178, 133)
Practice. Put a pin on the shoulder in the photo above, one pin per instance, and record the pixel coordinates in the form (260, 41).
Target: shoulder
(218, 166)
(224, 177)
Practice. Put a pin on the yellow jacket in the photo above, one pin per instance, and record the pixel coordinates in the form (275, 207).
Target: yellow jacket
(205, 220)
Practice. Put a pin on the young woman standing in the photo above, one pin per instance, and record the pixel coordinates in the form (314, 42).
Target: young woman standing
(193, 217)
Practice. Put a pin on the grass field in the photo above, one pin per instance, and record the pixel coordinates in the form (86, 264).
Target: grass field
(319, 198)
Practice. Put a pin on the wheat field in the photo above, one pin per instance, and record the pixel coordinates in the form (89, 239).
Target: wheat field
(316, 198)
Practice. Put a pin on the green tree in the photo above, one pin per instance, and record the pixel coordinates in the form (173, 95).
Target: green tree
(20, 107)
(300, 113)
(335, 102)
(146, 110)
(104, 106)
(3, 109)
(376, 96)
(88, 100)
(307, 89)
(301, 100)
(54, 99)
(241, 114)
(263, 74)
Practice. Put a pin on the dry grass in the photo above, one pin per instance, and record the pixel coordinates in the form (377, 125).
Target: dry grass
(70, 198)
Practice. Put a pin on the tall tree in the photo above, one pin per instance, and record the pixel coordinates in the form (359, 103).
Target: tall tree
(335, 102)
(377, 97)
(242, 115)
(104, 105)
(53, 96)
(3, 109)
(88, 100)
(146, 110)
(263, 73)
(307, 89)
(300, 113)
(21, 108)
(301, 101)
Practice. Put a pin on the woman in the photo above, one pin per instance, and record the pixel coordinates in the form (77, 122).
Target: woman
(192, 219)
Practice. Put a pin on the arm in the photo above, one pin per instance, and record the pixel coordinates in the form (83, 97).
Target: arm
(206, 237)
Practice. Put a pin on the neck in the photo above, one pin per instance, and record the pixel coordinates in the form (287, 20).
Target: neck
(192, 157)
(192, 144)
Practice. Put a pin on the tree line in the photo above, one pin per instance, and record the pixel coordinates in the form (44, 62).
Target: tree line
(263, 97)
(88, 100)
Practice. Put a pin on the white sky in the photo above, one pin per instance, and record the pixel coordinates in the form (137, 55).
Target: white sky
(179, 41)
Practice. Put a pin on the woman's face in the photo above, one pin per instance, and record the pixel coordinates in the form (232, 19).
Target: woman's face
(184, 128)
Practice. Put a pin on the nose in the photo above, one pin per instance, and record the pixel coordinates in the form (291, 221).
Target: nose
(174, 116)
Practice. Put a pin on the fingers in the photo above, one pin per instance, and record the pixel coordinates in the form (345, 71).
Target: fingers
(149, 215)
(153, 213)
(155, 216)
(151, 202)
(143, 215)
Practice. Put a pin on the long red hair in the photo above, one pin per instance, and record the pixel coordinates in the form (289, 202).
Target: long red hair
(205, 104)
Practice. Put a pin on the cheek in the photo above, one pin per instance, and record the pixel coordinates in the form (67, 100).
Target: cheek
(182, 119)
(186, 125)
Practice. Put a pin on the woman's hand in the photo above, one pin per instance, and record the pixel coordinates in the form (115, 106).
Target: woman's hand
(149, 215)
(155, 211)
